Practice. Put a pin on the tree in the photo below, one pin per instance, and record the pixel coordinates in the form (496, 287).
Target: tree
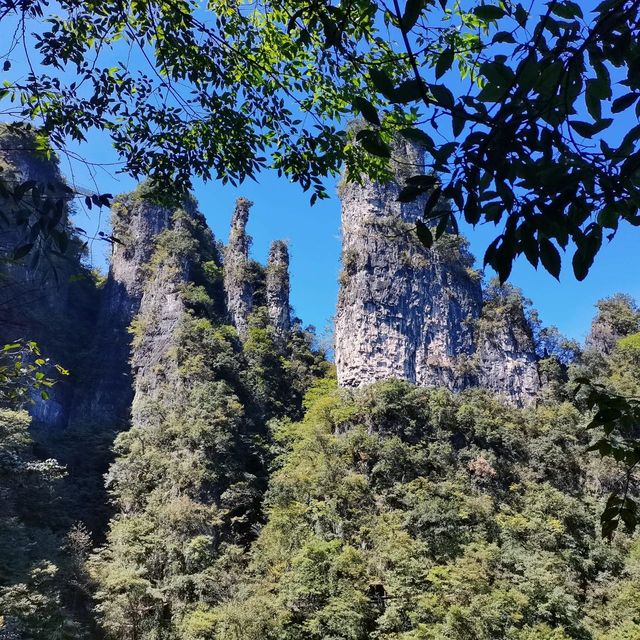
(524, 123)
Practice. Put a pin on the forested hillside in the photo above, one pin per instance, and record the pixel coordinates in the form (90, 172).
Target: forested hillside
(204, 477)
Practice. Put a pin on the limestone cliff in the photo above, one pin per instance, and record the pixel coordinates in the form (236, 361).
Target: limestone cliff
(403, 311)
(414, 313)
(618, 316)
(277, 291)
(506, 356)
(107, 392)
(237, 283)
(44, 296)
(171, 289)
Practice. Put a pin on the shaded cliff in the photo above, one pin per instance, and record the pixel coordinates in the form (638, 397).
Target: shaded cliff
(106, 396)
(45, 296)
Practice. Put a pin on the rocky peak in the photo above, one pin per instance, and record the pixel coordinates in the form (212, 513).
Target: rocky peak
(237, 283)
(277, 289)
(506, 356)
(403, 311)
(618, 316)
(413, 313)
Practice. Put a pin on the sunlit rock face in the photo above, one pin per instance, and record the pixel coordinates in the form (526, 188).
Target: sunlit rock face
(237, 283)
(507, 362)
(277, 292)
(403, 311)
(412, 313)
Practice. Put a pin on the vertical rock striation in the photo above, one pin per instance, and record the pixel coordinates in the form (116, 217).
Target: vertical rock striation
(417, 314)
(107, 393)
(44, 297)
(403, 311)
(277, 288)
(237, 284)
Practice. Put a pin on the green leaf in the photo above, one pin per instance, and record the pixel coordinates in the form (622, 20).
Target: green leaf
(410, 193)
(588, 246)
(432, 201)
(593, 100)
(491, 93)
(443, 96)
(412, 12)
(503, 36)
(367, 110)
(22, 251)
(488, 12)
(424, 234)
(373, 143)
(382, 82)
(422, 180)
(550, 258)
(408, 91)
(587, 129)
(568, 10)
(521, 15)
(624, 102)
(445, 60)
(416, 135)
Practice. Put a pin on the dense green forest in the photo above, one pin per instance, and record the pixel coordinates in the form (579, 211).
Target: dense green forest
(177, 458)
(254, 499)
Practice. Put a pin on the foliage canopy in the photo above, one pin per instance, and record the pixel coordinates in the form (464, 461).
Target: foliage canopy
(525, 111)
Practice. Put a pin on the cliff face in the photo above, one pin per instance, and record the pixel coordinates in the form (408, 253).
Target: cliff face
(44, 297)
(277, 292)
(411, 313)
(507, 362)
(403, 311)
(618, 316)
(107, 393)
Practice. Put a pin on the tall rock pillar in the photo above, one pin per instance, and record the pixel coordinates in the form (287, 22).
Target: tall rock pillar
(277, 286)
(108, 391)
(403, 311)
(506, 353)
(237, 285)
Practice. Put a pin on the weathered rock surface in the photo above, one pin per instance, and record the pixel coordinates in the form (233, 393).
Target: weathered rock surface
(237, 283)
(277, 290)
(506, 357)
(45, 299)
(403, 311)
(411, 313)
(107, 393)
(618, 316)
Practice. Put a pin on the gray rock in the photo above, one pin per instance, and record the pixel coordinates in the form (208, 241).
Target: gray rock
(237, 283)
(413, 313)
(277, 286)
(403, 311)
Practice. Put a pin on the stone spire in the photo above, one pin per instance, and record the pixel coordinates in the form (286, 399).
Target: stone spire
(403, 311)
(277, 285)
(237, 285)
